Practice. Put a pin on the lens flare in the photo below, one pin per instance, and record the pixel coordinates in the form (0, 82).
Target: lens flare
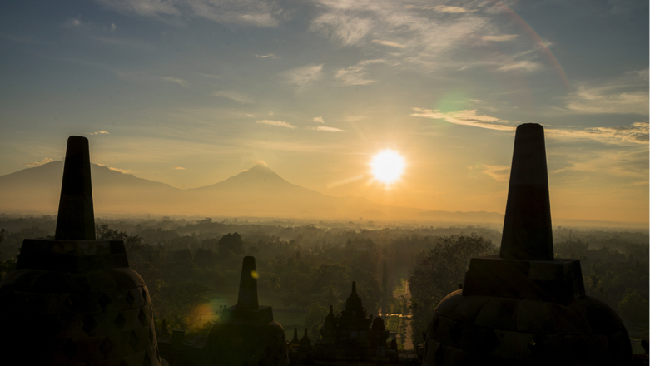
(387, 166)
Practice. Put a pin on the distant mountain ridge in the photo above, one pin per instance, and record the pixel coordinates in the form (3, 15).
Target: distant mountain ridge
(258, 191)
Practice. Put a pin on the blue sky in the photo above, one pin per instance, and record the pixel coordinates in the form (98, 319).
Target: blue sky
(191, 92)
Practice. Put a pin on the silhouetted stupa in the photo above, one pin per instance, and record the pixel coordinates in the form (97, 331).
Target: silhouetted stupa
(247, 334)
(523, 307)
(74, 300)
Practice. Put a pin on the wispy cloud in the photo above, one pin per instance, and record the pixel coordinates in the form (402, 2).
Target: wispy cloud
(99, 133)
(113, 27)
(38, 163)
(125, 171)
(268, 55)
(353, 75)
(452, 9)
(614, 162)
(465, 118)
(233, 95)
(635, 134)
(325, 129)
(597, 100)
(500, 173)
(521, 66)
(388, 43)
(427, 38)
(76, 22)
(177, 168)
(318, 119)
(501, 38)
(302, 77)
(626, 94)
(176, 80)
(275, 123)
(258, 13)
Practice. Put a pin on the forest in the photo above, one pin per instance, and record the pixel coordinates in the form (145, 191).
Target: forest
(402, 270)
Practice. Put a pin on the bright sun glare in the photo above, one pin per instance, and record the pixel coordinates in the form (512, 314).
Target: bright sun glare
(387, 166)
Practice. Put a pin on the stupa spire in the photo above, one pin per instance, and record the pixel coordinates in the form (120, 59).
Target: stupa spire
(527, 228)
(248, 286)
(76, 219)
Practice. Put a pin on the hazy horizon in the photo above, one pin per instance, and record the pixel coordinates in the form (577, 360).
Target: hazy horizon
(189, 93)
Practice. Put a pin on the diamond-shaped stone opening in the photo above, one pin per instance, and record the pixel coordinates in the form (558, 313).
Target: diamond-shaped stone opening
(129, 298)
(106, 347)
(120, 321)
(144, 296)
(89, 324)
(103, 302)
(134, 341)
(143, 318)
(70, 349)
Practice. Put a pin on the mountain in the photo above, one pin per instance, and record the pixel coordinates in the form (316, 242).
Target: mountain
(257, 192)
(38, 189)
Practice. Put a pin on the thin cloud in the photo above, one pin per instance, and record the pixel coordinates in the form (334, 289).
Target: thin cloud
(172, 79)
(38, 163)
(268, 55)
(465, 118)
(388, 43)
(501, 38)
(255, 13)
(500, 173)
(434, 33)
(177, 168)
(232, 95)
(609, 100)
(521, 65)
(99, 133)
(76, 22)
(325, 129)
(353, 75)
(318, 119)
(635, 134)
(302, 77)
(452, 9)
(124, 171)
(348, 29)
(113, 27)
(276, 123)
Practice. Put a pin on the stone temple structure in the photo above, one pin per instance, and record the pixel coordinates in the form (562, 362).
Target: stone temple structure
(523, 307)
(352, 338)
(74, 300)
(247, 334)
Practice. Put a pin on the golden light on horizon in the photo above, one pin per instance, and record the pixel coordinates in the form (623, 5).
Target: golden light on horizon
(387, 166)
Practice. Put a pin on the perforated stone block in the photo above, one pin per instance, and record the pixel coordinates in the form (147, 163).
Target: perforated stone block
(557, 281)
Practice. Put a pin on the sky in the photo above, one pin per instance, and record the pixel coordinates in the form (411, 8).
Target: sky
(191, 92)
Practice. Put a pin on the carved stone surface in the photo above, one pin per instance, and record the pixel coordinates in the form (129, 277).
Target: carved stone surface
(247, 334)
(523, 307)
(74, 300)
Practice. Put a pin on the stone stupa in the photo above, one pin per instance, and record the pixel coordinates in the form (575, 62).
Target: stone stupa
(74, 300)
(523, 307)
(247, 334)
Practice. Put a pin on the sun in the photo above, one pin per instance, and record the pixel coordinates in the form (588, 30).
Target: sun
(387, 166)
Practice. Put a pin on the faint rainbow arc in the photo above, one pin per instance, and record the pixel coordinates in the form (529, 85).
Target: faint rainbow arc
(547, 52)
